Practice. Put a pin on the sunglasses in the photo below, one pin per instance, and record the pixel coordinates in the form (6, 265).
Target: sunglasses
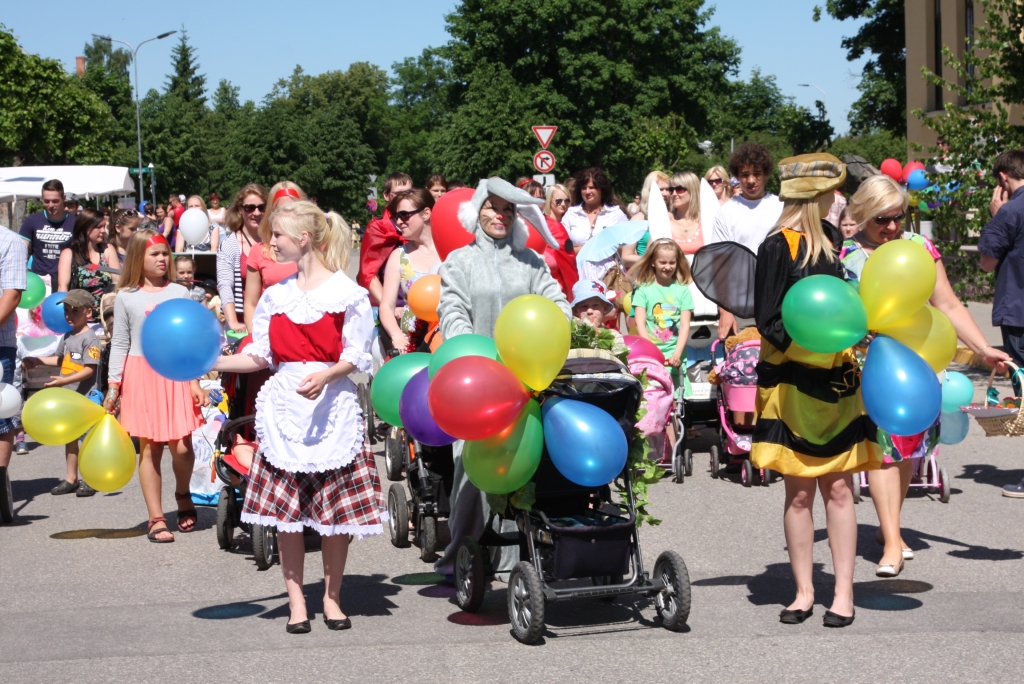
(560, 202)
(250, 208)
(678, 189)
(715, 181)
(406, 215)
(886, 220)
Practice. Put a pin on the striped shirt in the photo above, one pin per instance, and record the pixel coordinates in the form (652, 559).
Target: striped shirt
(13, 274)
(229, 272)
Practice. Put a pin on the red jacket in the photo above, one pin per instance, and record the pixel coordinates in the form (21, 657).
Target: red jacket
(564, 259)
(379, 240)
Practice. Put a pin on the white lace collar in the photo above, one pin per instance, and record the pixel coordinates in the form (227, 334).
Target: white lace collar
(335, 295)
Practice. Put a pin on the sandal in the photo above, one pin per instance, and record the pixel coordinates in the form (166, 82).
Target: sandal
(152, 534)
(186, 519)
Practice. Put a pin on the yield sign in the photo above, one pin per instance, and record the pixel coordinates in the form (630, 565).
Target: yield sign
(544, 134)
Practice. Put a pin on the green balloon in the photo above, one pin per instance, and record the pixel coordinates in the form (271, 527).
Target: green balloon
(922, 205)
(504, 463)
(824, 314)
(34, 293)
(461, 345)
(390, 380)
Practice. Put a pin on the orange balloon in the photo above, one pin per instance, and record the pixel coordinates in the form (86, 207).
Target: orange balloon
(424, 296)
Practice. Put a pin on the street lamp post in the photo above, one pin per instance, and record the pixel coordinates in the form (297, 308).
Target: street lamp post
(824, 97)
(138, 111)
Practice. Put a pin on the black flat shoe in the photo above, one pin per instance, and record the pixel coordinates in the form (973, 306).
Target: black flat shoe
(343, 623)
(835, 620)
(795, 617)
(298, 628)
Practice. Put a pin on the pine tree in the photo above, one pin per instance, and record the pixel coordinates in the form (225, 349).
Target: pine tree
(186, 82)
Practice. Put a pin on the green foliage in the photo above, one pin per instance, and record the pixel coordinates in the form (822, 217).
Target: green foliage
(420, 101)
(186, 82)
(874, 147)
(585, 336)
(977, 131)
(106, 75)
(645, 469)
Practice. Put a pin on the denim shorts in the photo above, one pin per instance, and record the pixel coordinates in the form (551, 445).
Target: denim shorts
(8, 359)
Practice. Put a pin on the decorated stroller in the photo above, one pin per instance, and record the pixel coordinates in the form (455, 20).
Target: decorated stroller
(737, 390)
(429, 471)
(571, 532)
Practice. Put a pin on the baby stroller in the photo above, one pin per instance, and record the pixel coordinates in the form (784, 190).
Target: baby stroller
(926, 475)
(430, 471)
(736, 396)
(573, 532)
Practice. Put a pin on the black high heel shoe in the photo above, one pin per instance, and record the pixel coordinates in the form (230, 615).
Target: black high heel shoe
(343, 623)
(795, 617)
(836, 620)
(298, 628)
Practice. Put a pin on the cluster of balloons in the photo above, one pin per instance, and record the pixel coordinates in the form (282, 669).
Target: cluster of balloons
(910, 174)
(181, 340)
(56, 416)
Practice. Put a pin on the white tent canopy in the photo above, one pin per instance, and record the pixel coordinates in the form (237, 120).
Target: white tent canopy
(26, 182)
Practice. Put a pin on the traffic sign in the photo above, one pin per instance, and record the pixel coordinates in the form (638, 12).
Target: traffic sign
(544, 134)
(544, 161)
(545, 179)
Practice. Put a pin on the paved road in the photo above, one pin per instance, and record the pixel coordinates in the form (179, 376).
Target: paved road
(85, 598)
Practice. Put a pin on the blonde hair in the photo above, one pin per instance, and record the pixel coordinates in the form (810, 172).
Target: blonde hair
(720, 170)
(549, 198)
(875, 195)
(643, 270)
(265, 230)
(651, 181)
(329, 233)
(202, 202)
(135, 256)
(689, 181)
(804, 216)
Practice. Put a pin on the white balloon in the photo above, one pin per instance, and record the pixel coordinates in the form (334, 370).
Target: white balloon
(10, 401)
(194, 225)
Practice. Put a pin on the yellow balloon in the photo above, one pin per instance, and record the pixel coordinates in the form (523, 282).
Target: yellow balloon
(929, 333)
(532, 336)
(897, 280)
(56, 416)
(107, 459)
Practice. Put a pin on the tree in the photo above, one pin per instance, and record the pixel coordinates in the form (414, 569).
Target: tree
(186, 82)
(420, 101)
(883, 101)
(106, 75)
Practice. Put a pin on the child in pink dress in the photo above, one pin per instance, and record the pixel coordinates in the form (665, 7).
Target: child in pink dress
(315, 328)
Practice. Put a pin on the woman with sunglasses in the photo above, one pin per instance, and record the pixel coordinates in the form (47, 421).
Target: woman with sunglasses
(410, 210)
(681, 193)
(243, 223)
(718, 178)
(879, 207)
(262, 268)
(556, 203)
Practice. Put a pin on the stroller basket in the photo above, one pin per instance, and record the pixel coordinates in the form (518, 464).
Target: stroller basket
(739, 397)
(590, 545)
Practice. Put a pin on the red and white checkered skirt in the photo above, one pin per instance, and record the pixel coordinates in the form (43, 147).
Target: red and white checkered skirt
(346, 500)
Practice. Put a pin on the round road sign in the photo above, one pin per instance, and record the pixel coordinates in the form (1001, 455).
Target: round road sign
(544, 161)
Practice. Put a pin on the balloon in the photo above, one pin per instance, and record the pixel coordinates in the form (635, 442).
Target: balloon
(909, 168)
(475, 398)
(35, 291)
(893, 169)
(923, 206)
(10, 400)
(627, 304)
(929, 333)
(415, 414)
(917, 180)
(900, 390)
(507, 461)
(107, 458)
(532, 336)
(535, 241)
(52, 310)
(181, 339)
(194, 225)
(459, 346)
(953, 429)
(389, 383)
(897, 280)
(445, 228)
(823, 313)
(957, 391)
(424, 296)
(55, 416)
(585, 443)
(641, 348)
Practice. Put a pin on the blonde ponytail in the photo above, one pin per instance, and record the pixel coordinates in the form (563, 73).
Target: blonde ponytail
(329, 233)
(337, 244)
(804, 216)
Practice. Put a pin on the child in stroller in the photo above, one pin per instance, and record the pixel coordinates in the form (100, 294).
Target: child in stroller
(736, 377)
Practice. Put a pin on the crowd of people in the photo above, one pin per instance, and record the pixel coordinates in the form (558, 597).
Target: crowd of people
(281, 283)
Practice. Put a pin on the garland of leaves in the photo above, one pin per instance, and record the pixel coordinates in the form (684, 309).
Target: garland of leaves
(646, 470)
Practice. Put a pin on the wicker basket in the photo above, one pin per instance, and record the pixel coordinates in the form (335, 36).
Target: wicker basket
(1012, 424)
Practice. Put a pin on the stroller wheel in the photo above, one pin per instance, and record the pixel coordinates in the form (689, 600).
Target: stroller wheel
(856, 488)
(264, 545)
(469, 575)
(398, 512)
(428, 539)
(688, 462)
(226, 517)
(526, 603)
(678, 469)
(6, 497)
(715, 465)
(944, 486)
(747, 474)
(673, 601)
(766, 476)
(394, 450)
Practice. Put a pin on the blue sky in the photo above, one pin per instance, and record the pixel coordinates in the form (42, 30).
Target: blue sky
(254, 44)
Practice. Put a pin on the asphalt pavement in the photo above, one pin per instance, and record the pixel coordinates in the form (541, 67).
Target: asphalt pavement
(84, 597)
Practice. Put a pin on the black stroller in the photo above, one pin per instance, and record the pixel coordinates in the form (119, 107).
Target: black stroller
(574, 532)
(429, 471)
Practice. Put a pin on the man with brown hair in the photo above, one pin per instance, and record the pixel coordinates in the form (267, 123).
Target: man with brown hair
(380, 239)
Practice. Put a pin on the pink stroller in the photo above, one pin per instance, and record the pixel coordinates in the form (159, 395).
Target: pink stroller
(662, 411)
(736, 395)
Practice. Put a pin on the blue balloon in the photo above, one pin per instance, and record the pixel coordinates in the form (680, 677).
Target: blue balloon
(181, 339)
(585, 443)
(52, 309)
(957, 391)
(917, 180)
(954, 427)
(899, 388)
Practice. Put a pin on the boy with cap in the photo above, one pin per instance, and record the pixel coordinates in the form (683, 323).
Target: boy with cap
(78, 354)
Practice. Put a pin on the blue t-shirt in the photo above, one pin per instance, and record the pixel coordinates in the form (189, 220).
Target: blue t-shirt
(1003, 239)
(47, 239)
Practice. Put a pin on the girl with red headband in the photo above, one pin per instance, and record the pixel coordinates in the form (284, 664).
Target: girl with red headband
(156, 410)
(262, 269)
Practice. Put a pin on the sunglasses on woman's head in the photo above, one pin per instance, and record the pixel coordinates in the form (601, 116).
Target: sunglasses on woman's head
(886, 220)
(406, 215)
(678, 189)
(250, 208)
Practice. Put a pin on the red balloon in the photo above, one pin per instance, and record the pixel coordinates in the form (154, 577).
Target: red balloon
(535, 241)
(910, 168)
(474, 397)
(445, 227)
(639, 347)
(891, 168)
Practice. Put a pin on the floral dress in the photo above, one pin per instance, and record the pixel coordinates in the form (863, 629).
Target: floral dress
(94, 279)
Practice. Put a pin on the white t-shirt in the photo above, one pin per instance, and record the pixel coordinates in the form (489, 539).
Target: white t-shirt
(747, 222)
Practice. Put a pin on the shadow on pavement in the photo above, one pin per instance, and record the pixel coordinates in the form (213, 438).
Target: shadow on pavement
(361, 595)
(983, 473)
(102, 533)
(27, 490)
